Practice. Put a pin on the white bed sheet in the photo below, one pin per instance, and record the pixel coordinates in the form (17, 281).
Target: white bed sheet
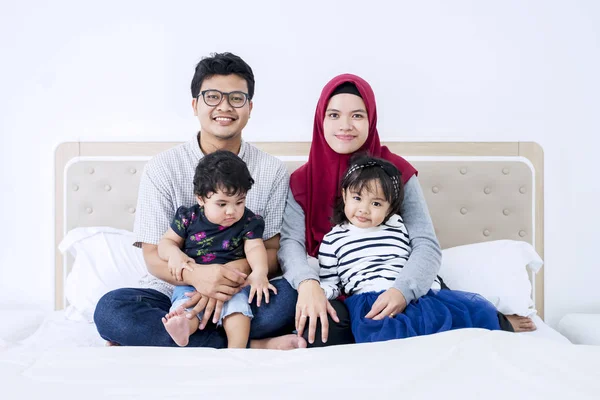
(68, 359)
(467, 363)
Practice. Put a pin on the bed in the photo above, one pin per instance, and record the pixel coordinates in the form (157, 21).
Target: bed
(486, 202)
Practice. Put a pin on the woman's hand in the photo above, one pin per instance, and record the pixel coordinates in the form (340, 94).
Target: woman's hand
(389, 304)
(313, 305)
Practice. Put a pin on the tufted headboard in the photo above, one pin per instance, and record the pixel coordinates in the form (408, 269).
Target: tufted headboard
(475, 191)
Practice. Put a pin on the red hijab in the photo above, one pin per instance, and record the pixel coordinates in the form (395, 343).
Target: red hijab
(315, 185)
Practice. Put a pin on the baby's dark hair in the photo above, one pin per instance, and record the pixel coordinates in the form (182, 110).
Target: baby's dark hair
(362, 171)
(224, 171)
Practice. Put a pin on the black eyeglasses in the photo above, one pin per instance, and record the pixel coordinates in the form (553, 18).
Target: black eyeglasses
(213, 97)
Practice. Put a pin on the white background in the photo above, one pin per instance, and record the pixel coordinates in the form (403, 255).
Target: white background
(441, 70)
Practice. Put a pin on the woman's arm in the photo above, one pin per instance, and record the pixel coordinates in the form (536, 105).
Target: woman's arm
(312, 305)
(292, 251)
(425, 259)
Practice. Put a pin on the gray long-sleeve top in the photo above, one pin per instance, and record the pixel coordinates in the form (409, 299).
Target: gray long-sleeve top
(419, 271)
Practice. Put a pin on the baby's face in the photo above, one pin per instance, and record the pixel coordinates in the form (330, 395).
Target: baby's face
(223, 209)
(366, 209)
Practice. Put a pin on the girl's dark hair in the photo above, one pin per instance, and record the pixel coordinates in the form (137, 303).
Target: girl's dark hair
(222, 64)
(362, 171)
(224, 171)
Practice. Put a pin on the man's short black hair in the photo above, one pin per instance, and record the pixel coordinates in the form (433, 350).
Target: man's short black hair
(222, 64)
(224, 171)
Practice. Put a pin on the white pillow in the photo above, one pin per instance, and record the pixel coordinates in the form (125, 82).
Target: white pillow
(497, 270)
(105, 259)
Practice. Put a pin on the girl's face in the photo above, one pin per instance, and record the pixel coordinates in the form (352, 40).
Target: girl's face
(346, 125)
(366, 209)
(221, 209)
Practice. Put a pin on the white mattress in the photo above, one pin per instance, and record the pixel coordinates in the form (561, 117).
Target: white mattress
(67, 359)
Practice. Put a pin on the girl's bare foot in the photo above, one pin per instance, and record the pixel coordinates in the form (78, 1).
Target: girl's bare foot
(178, 326)
(285, 342)
(521, 324)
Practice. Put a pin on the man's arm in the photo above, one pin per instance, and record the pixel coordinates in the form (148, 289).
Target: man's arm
(157, 266)
(212, 280)
(273, 217)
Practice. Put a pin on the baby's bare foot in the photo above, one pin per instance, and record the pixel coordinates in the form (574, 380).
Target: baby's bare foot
(285, 342)
(111, 344)
(177, 325)
(521, 324)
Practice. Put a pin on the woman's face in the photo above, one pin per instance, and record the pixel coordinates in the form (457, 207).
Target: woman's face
(346, 125)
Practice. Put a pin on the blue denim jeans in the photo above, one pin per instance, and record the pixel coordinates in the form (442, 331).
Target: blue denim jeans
(132, 317)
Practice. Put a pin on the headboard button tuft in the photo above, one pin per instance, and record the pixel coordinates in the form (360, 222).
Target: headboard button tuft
(487, 190)
(107, 188)
(486, 232)
(463, 170)
(522, 190)
(463, 211)
(132, 171)
(75, 188)
(131, 210)
(506, 211)
(435, 189)
(89, 210)
(522, 233)
(505, 171)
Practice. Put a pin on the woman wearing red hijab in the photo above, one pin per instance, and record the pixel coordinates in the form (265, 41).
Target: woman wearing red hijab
(346, 123)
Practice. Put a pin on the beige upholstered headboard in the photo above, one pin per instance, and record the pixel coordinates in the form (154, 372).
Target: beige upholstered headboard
(475, 191)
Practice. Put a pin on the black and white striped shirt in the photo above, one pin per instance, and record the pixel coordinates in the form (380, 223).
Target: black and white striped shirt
(355, 260)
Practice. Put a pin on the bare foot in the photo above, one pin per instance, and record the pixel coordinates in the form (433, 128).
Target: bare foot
(521, 324)
(111, 344)
(178, 326)
(285, 342)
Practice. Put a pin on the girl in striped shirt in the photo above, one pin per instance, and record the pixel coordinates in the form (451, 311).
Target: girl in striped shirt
(366, 251)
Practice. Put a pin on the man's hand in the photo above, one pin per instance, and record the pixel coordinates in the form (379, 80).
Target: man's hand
(203, 303)
(313, 305)
(215, 281)
(389, 304)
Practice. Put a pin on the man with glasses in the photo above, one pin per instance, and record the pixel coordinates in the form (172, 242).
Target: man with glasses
(222, 91)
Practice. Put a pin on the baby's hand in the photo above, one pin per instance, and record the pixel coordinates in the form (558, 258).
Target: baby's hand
(178, 263)
(259, 285)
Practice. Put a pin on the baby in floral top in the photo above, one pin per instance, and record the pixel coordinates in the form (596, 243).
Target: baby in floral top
(217, 230)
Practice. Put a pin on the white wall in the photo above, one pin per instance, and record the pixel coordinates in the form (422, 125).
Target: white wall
(460, 70)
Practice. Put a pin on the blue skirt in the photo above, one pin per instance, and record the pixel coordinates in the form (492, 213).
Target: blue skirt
(437, 311)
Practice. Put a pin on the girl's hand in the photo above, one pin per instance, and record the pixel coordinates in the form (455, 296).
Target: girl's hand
(389, 304)
(178, 263)
(259, 285)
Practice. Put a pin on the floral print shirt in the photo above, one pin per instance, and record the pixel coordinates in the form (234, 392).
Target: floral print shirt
(209, 243)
